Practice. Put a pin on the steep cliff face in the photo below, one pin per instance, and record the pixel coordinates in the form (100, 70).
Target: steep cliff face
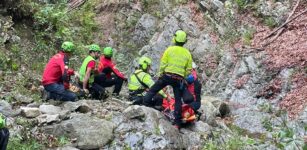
(262, 79)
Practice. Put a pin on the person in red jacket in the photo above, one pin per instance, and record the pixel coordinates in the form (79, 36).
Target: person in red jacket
(109, 74)
(56, 75)
(191, 94)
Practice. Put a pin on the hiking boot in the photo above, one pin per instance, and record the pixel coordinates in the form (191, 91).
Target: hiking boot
(159, 108)
(45, 95)
(115, 95)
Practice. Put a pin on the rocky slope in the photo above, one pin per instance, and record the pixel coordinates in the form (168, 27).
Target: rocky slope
(263, 81)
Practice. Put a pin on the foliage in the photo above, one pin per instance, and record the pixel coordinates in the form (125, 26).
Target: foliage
(284, 137)
(244, 4)
(248, 35)
(235, 142)
(17, 143)
(54, 23)
(270, 22)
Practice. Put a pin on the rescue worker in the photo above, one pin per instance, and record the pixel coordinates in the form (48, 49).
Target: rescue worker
(175, 65)
(88, 71)
(140, 82)
(57, 74)
(106, 68)
(4, 133)
(191, 95)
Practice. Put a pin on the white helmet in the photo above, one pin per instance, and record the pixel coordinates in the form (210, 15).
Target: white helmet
(194, 66)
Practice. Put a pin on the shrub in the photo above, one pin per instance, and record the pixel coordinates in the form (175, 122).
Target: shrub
(270, 22)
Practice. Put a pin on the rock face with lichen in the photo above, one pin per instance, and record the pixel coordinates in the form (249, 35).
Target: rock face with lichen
(248, 81)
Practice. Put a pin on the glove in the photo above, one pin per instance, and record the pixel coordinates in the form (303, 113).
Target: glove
(70, 72)
(86, 91)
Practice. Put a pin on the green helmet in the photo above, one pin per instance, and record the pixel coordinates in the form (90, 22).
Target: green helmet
(2, 121)
(94, 47)
(68, 47)
(144, 62)
(108, 51)
(180, 36)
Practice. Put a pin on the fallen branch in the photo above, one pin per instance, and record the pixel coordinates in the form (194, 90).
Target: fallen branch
(290, 20)
(282, 29)
(254, 48)
(75, 4)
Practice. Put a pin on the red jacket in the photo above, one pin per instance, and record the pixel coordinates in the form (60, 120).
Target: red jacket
(107, 66)
(54, 70)
(194, 89)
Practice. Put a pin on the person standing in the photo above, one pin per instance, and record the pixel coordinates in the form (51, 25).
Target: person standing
(175, 66)
(57, 74)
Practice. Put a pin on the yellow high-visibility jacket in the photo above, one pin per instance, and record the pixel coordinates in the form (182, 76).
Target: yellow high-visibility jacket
(135, 85)
(177, 60)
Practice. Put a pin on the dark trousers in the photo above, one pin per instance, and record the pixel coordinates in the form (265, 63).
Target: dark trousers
(189, 99)
(138, 100)
(178, 92)
(103, 81)
(58, 92)
(4, 138)
(96, 91)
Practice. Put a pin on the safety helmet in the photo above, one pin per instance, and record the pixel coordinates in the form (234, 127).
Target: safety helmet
(68, 47)
(144, 62)
(190, 79)
(94, 47)
(180, 37)
(108, 51)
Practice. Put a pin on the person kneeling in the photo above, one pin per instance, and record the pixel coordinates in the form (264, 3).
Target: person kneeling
(87, 73)
(56, 76)
(191, 94)
(140, 82)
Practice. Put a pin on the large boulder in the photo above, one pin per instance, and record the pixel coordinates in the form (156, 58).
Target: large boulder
(250, 120)
(6, 108)
(23, 98)
(180, 19)
(90, 132)
(49, 109)
(46, 118)
(146, 128)
(30, 112)
(145, 28)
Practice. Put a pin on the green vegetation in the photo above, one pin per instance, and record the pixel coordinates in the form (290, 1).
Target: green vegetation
(247, 35)
(270, 22)
(244, 5)
(55, 23)
(31, 143)
(283, 136)
(234, 143)
(17, 143)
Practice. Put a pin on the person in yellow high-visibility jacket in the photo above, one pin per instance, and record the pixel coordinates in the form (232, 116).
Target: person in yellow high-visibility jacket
(4, 133)
(139, 83)
(175, 66)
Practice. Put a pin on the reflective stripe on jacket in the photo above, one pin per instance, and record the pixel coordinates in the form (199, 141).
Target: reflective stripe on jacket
(135, 85)
(177, 60)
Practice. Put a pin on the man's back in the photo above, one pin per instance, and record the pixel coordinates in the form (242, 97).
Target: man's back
(54, 69)
(177, 60)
